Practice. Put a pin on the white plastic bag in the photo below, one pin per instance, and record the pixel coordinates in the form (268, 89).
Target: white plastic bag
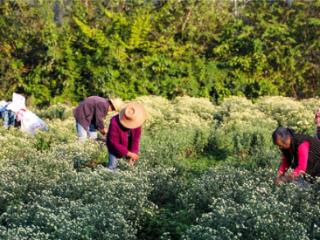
(30, 122)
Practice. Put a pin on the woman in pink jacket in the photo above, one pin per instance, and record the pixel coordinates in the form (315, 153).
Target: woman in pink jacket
(124, 134)
(300, 152)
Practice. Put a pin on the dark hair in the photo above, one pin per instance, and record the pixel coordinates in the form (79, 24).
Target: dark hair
(282, 132)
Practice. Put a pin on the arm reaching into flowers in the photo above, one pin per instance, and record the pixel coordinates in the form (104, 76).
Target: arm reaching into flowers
(282, 170)
(303, 154)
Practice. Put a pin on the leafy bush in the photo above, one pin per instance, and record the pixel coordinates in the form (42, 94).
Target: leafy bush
(311, 103)
(89, 205)
(242, 132)
(288, 112)
(67, 50)
(60, 111)
(237, 204)
(165, 145)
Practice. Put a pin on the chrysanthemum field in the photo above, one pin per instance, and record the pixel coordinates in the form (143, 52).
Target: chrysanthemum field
(206, 172)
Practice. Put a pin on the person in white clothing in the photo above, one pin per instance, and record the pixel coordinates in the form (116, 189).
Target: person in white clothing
(30, 122)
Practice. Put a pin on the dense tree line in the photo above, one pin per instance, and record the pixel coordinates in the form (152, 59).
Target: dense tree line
(64, 50)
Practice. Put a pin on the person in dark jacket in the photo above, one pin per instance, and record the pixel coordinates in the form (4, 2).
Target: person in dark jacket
(124, 134)
(90, 115)
(300, 152)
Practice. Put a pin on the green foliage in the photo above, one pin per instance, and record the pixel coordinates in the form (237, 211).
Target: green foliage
(98, 212)
(288, 112)
(57, 111)
(242, 132)
(206, 172)
(58, 51)
(238, 204)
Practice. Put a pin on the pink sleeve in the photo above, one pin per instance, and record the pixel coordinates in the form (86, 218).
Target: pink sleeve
(284, 165)
(303, 154)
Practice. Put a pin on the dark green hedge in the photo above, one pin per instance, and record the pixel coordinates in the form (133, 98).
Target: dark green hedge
(55, 51)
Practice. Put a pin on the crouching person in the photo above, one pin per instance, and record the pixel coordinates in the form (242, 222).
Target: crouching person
(90, 115)
(124, 134)
(29, 121)
(300, 153)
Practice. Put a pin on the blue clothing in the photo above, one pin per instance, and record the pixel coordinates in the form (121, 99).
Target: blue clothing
(113, 162)
(9, 117)
(83, 133)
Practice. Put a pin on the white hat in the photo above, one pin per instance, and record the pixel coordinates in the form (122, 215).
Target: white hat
(133, 115)
(18, 103)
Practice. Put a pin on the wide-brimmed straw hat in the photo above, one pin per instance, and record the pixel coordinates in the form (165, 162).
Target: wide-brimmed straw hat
(18, 103)
(132, 115)
(117, 104)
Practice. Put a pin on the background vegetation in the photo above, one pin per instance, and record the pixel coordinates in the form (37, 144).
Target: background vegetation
(65, 50)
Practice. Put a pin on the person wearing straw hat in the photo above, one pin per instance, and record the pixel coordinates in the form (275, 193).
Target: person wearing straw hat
(90, 114)
(124, 134)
